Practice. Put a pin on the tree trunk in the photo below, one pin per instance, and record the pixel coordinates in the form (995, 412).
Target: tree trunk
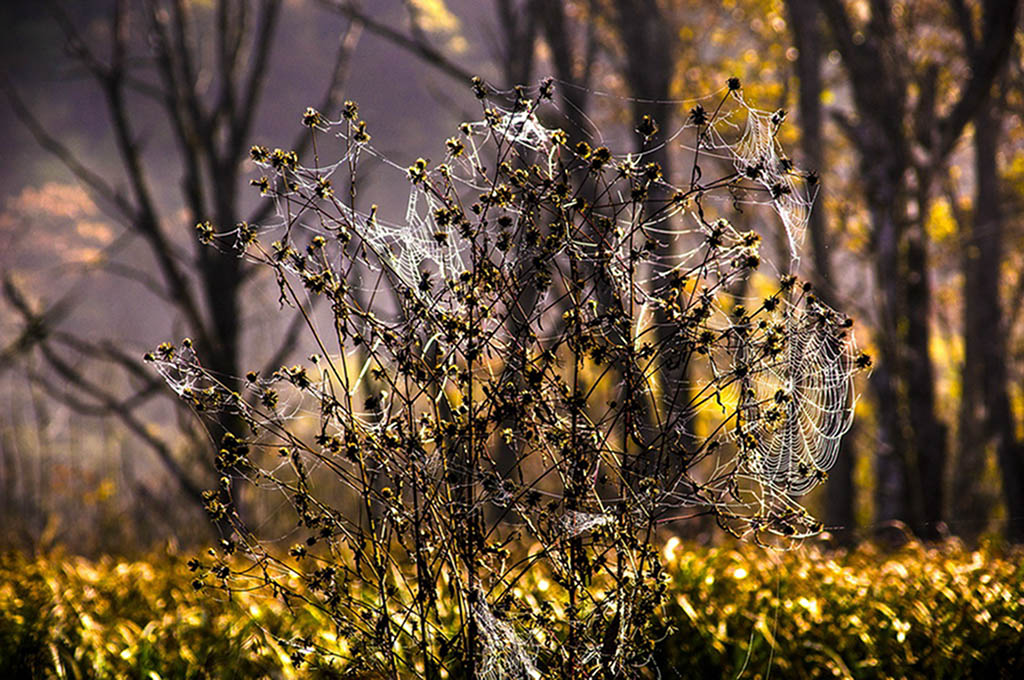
(519, 25)
(805, 25)
(563, 57)
(979, 310)
(646, 34)
(990, 418)
(647, 37)
(897, 494)
(929, 432)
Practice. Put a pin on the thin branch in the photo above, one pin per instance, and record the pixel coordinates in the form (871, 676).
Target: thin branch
(424, 50)
(347, 43)
(105, 402)
(37, 324)
(139, 276)
(147, 221)
(192, 145)
(263, 41)
(131, 421)
(999, 25)
(291, 338)
(86, 175)
(181, 56)
(966, 24)
(229, 43)
(92, 410)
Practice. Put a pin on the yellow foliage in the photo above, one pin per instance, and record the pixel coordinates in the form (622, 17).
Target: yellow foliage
(859, 614)
(434, 16)
(941, 223)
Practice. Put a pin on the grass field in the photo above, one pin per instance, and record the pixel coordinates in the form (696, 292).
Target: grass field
(936, 612)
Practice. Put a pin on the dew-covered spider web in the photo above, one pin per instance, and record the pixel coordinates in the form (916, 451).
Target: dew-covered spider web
(739, 134)
(505, 655)
(554, 342)
(782, 423)
(758, 156)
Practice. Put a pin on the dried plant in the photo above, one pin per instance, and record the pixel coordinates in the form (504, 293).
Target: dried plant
(555, 352)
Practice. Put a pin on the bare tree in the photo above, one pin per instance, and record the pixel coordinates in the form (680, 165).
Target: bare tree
(986, 418)
(897, 163)
(208, 95)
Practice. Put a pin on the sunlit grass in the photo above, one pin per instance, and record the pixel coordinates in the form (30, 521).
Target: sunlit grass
(918, 613)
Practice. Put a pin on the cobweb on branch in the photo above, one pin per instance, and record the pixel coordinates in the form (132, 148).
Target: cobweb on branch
(556, 348)
(575, 523)
(786, 391)
(782, 420)
(505, 655)
(758, 156)
(741, 134)
(801, 406)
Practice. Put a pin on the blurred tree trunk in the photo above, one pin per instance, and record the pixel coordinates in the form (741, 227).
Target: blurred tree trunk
(981, 310)
(884, 163)
(573, 80)
(986, 417)
(884, 134)
(805, 23)
(647, 38)
(929, 448)
(208, 93)
(519, 30)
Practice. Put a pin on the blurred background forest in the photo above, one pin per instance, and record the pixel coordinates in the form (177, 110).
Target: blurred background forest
(126, 123)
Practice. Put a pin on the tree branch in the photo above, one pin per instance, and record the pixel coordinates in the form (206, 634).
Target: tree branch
(425, 51)
(37, 324)
(86, 175)
(291, 338)
(999, 25)
(263, 42)
(144, 216)
(106, 403)
(330, 101)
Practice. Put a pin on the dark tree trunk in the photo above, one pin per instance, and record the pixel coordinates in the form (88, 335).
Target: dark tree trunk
(519, 30)
(646, 34)
(805, 24)
(986, 409)
(898, 494)
(880, 99)
(572, 92)
(979, 310)
(929, 431)
(883, 135)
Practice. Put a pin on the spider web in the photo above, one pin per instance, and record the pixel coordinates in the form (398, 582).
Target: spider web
(505, 655)
(790, 416)
(758, 156)
(785, 421)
